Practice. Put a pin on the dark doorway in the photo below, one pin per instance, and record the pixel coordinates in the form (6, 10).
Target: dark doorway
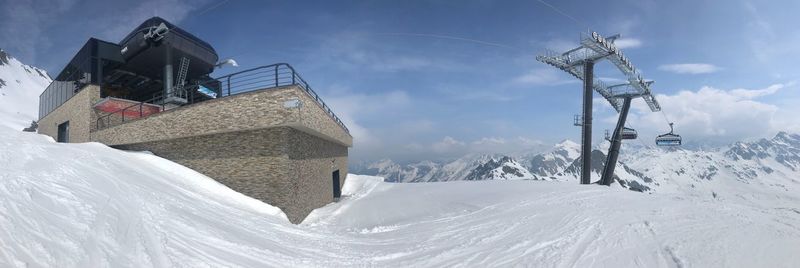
(63, 132)
(337, 189)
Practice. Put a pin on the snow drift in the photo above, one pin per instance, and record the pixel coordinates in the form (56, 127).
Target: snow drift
(87, 205)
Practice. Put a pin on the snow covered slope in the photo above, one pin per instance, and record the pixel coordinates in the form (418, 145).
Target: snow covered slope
(20, 86)
(559, 224)
(86, 205)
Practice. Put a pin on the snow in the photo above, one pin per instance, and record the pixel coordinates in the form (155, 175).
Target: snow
(87, 205)
(511, 170)
(572, 148)
(20, 95)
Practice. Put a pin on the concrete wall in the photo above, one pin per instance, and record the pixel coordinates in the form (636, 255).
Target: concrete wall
(247, 111)
(281, 166)
(78, 111)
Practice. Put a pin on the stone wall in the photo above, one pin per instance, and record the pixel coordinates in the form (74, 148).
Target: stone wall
(78, 111)
(251, 142)
(281, 166)
(246, 111)
(313, 160)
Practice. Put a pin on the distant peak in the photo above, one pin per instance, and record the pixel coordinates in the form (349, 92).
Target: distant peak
(782, 134)
(505, 158)
(786, 136)
(385, 160)
(3, 57)
(567, 143)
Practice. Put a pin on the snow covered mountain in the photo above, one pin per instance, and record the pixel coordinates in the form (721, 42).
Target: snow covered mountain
(772, 163)
(553, 163)
(20, 86)
(504, 168)
(550, 165)
(640, 168)
(544, 166)
(424, 171)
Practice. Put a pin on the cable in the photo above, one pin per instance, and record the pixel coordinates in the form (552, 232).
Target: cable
(565, 14)
(663, 169)
(212, 7)
(450, 37)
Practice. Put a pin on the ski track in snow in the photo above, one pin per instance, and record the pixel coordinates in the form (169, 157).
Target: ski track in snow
(86, 205)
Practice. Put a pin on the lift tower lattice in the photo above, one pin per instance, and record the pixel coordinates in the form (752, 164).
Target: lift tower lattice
(579, 62)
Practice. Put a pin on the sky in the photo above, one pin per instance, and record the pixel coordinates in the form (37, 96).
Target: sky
(430, 80)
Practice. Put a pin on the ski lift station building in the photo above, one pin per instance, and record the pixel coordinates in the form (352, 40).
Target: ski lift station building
(262, 132)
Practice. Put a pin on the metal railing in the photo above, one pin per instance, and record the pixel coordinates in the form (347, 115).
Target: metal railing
(106, 119)
(264, 77)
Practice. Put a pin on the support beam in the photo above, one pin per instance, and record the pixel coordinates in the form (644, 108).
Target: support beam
(167, 71)
(616, 141)
(586, 137)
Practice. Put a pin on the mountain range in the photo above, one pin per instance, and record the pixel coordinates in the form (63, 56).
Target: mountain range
(772, 162)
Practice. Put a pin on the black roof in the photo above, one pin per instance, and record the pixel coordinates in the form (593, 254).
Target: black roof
(155, 21)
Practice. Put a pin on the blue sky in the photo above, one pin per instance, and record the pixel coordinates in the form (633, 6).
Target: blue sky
(437, 79)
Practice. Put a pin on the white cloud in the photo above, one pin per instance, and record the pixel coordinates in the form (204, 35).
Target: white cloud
(489, 141)
(451, 147)
(447, 144)
(715, 114)
(559, 45)
(175, 11)
(754, 93)
(356, 108)
(624, 43)
(23, 24)
(542, 77)
(27, 27)
(689, 68)
(360, 51)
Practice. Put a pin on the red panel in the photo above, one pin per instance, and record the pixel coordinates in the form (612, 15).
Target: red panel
(114, 105)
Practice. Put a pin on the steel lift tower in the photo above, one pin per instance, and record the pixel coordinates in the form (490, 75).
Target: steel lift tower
(579, 62)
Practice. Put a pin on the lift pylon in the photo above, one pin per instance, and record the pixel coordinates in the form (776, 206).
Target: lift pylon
(616, 141)
(579, 62)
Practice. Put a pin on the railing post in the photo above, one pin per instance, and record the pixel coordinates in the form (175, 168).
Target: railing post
(276, 75)
(229, 85)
